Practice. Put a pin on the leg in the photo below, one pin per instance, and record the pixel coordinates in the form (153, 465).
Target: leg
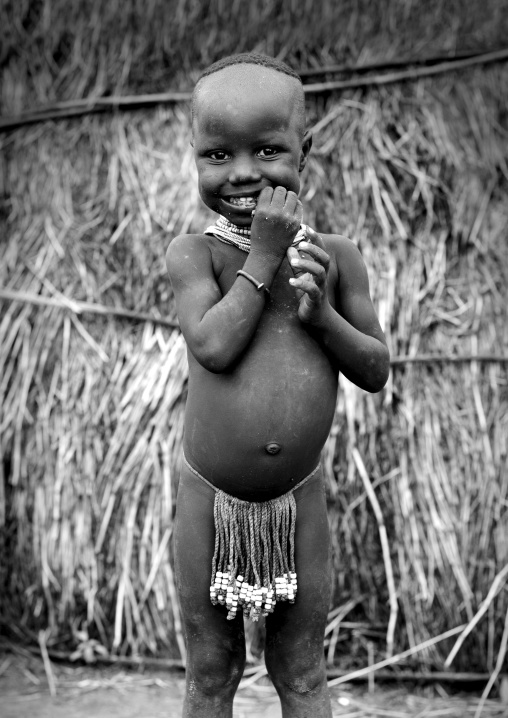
(295, 632)
(215, 646)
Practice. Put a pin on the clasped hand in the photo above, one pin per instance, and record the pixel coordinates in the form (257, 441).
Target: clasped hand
(277, 219)
(310, 263)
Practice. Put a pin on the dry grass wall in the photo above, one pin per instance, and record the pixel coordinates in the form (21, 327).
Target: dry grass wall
(91, 407)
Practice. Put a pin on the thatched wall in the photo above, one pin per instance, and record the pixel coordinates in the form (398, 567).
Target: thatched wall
(91, 406)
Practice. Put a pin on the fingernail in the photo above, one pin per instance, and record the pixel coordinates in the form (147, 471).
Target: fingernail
(292, 281)
(295, 262)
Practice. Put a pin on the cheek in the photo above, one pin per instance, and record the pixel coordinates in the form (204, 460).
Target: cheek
(290, 178)
(209, 179)
(288, 172)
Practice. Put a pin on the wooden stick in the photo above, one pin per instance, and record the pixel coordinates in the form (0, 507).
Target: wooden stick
(260, 672)
(89, 307)
(496, 586)
(47, 664)
(497, 670)
(446, 358)
(392, 592)
(395, 659)
(412, 74)
(155, 567)
(388, 64)
(75, 108)
(176, 664)
(78, 108)
(102, 309)
(416, 676)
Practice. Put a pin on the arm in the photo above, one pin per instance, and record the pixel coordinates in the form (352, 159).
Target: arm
(351, 334)
(217, 329)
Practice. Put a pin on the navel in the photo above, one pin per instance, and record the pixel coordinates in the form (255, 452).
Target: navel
(272, 448)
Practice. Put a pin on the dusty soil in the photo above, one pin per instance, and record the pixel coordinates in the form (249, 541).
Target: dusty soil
(82, 692)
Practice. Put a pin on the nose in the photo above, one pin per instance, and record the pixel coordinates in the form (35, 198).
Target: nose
(243, 171)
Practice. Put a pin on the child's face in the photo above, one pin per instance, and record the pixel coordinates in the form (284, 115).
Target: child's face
(247, 136)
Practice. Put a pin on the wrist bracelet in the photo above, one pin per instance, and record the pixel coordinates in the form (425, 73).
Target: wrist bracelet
(259, 285)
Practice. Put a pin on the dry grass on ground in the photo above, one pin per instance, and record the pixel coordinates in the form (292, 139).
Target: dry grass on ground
(83, 691)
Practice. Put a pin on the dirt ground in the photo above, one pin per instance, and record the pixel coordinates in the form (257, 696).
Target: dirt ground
(82, 692)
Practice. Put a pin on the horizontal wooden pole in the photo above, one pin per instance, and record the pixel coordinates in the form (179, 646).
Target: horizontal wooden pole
(176, 664)
(77, 108)
(101, 309)
(84, 307)
(403, 359)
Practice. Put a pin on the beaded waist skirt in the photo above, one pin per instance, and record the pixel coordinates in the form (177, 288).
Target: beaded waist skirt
(253, 563)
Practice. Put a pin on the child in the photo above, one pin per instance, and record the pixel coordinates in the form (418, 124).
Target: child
(268, 327)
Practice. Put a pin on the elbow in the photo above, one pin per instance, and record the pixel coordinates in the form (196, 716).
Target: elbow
(213, 364)
(214, 350)
(378, 370)
(213, 358)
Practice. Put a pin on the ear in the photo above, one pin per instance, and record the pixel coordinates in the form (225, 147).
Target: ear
(304, 152)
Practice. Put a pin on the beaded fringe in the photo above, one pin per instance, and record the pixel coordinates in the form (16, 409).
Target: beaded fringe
(253, 563)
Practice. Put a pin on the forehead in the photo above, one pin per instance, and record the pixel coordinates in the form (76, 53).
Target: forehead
(239, 94)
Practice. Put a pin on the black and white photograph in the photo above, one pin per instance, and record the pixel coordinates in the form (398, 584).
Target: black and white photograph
(253, 359)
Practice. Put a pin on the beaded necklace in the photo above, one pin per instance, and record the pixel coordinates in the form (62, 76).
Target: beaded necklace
(239, 237)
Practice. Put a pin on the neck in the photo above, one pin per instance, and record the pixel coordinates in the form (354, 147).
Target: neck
(231, 233)
(226, 224)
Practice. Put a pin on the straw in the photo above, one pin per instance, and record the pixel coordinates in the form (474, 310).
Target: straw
(93, 367)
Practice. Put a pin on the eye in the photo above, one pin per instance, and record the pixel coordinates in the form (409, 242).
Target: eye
(218, 155)
(267, 152)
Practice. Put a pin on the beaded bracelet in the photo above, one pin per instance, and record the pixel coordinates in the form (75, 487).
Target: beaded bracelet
(259, 285)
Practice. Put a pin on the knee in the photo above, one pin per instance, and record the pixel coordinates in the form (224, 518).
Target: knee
(214, 674)
(299, 674)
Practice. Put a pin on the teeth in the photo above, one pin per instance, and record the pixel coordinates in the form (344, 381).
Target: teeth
(243, 201)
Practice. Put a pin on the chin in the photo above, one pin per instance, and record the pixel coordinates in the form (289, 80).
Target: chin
(241, 221)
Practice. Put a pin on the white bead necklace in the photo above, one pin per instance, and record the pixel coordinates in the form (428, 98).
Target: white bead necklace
(239, 237)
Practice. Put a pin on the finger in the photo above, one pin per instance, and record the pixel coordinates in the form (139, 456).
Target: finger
(279, 196)
(308, 287)
(298, 211)
(291, 201)
(293, 208)
(314, 238)
(317, 253)
(265, 197)
(292, 254)
(315, 269)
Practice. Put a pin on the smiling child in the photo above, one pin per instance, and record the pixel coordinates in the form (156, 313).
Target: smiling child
(271, 313)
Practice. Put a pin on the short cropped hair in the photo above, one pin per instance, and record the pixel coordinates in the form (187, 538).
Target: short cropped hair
(250, 58)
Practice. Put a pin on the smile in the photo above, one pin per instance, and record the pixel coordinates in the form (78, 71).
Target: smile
(246, 202)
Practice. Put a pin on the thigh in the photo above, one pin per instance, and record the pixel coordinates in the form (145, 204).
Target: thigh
(295, 632)
(205, 625)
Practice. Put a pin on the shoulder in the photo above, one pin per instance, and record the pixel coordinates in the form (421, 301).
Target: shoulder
(341, 247)
(186, 243)
(188, 256)
(347, 262)
(185, 247)
(344, 252)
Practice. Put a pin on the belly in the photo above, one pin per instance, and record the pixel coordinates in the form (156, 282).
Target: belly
(258, 429)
